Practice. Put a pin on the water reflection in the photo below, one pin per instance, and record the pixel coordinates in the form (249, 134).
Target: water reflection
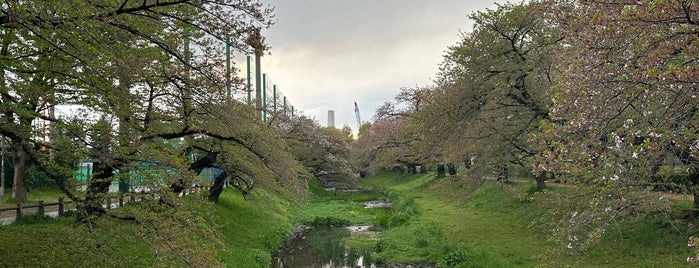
(321, 248)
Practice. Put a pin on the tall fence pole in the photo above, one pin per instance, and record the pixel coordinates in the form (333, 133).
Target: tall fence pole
(274, 103)
(228, 68)
(258, 85)
(249, 85)
(264, 97)
(256, 42)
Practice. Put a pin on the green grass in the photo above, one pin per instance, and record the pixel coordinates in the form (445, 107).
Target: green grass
(508, 226)
(646, 243)
(449, 222)
(46, 194)
(251, 229)
(347, 207)
(62, 242)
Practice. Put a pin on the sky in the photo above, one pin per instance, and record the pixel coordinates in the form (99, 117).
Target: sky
(328, 54)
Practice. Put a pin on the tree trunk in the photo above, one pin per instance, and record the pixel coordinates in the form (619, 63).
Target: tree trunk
(440, 170)
(20, 159)
(413, 168)
(467, 163)
(503, 175)
(541, 181)
(362, 174)
(694, 178)
(217, 187)
(452, 169)
(98, 187)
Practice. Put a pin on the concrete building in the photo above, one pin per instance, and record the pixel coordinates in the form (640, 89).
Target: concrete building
(331, 118)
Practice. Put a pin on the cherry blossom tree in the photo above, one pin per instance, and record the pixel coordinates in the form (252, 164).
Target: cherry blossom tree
(624, 112)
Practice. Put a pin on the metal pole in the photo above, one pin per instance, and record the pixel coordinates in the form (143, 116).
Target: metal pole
(274, 97)
(249, 88)
(228, 67)
(258, 84)
(264, 97)
(284, 105)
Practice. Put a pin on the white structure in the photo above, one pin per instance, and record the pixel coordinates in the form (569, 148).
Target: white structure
(331, 118)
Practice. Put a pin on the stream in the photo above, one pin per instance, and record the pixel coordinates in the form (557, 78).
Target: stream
(322, 247)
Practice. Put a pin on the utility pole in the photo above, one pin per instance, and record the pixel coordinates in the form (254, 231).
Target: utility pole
(285, 105)
(256, 41)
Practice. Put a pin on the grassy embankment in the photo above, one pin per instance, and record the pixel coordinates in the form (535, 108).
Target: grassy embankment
(249, 230)
(433, 221)
(492, 227)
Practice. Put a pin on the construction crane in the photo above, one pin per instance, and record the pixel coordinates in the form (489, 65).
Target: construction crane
(356, 113)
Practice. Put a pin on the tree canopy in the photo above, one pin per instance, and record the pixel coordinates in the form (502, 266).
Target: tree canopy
(598, 94)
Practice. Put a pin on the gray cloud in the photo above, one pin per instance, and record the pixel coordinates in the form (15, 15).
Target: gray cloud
(328, 54)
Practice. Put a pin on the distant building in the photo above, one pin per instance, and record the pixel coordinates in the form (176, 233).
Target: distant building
(331, 118)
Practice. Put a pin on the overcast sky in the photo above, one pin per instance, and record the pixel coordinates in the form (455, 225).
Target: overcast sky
(328, 54)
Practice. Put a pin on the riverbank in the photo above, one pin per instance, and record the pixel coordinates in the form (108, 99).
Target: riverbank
(461, 224)
(450, 222)
(246, 230)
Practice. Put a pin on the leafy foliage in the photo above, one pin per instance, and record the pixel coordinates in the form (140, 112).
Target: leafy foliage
(624, 107)
(149, 109)
(324, 152)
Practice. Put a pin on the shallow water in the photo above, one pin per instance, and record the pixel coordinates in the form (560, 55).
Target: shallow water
(377, 204)
(321, 248)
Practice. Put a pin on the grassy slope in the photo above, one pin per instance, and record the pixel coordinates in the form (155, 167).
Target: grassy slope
(487, 228)
(493, 228)
(250, 231)
(63, 242)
